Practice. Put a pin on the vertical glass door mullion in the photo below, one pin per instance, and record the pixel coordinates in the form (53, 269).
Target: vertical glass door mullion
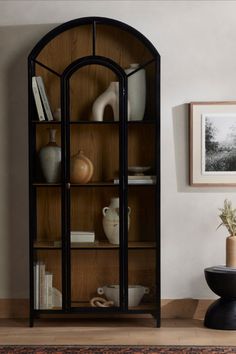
(123, 199)
(65, 192)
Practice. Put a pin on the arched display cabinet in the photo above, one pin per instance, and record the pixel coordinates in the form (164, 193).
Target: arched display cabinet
(77, 61)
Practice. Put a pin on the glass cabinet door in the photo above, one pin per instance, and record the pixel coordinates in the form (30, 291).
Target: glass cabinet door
(47, 216)
(94, 194)
(142, 193)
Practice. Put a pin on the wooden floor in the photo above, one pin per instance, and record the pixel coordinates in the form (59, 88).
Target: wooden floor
(118, 331)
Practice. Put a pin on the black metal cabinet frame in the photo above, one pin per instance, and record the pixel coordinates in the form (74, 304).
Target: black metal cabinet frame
(65, 173)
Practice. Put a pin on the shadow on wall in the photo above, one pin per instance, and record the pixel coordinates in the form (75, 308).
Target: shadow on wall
(17, 42)
(180, 116)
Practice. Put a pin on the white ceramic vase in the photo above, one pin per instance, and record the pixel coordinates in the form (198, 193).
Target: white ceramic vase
(50, 159)
(108, 97)
(135, 294)
(136, 92)
(111, 221)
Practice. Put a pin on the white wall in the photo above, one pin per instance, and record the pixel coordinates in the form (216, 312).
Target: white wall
(197, 43)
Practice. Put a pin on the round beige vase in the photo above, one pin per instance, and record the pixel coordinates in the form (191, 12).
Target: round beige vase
(231, 251)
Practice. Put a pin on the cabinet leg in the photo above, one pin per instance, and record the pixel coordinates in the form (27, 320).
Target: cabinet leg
(31, 322)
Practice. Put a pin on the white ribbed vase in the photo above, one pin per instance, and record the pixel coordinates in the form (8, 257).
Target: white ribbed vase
(136, 92)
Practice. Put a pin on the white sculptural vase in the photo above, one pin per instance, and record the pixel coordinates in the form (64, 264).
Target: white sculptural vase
(111, 221)
(136, 92)
(50, 159)
(110, 97)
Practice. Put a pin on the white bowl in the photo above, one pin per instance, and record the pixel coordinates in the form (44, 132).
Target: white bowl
(138, 169)
(135, 294)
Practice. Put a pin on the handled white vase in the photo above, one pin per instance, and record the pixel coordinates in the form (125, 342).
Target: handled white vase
(111, 221)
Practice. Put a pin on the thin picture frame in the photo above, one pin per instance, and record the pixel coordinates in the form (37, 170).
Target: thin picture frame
(212, 153)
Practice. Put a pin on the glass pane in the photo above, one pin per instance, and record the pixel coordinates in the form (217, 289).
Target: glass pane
(142, 204)
(141, 278)
(52, 86)
(49, 217)
(94, 246)
(128, 49)
(100, 144)
(66, 47)
(47, 280)
(94, 95)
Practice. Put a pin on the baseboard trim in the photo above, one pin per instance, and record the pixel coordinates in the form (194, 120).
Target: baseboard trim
(170, 308)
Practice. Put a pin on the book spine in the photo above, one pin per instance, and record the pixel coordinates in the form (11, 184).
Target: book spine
(37, 99)
(138, 181)
(48, 290)
(42, 298)
(36, 286)
(44, 98)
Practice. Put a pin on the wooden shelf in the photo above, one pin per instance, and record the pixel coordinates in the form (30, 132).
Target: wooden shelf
(37, 184)
(96, 245)
(142, 306)
(92, 184)
(46, 122)
(95, 184)
(94, 122)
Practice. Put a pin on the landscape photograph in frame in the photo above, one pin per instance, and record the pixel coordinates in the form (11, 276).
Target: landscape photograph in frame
(212, 144)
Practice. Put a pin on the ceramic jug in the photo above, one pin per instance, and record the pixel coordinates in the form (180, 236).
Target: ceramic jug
(111, 221)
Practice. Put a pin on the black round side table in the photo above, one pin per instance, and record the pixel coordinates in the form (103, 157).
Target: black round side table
(221, 314)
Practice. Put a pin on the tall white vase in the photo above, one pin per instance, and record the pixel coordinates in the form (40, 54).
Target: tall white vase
(136, 92)
(50, 159)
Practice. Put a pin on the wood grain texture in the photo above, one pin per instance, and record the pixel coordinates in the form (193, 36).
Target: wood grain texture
(48, 214)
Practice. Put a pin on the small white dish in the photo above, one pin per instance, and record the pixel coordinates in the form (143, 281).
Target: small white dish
(138, 170)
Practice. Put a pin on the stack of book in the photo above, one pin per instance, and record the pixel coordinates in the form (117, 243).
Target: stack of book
(82, 236)
(142, 179)
(43, 290)
(41, 100)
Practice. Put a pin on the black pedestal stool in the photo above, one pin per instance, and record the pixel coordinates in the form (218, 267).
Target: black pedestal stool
(222, 313)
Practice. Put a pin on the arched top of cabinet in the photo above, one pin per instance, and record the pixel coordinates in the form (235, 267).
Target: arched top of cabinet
(89, 36)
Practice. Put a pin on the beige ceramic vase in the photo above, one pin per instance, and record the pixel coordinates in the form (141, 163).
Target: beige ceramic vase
(231, 251)
(81, 170)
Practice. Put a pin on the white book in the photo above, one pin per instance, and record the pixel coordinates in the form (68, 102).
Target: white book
(82, 237)
(37, 99)
(44, 98)
(146, 177)
(48, 290)
(137, 181)
(36, 286)
(42, 297)
(82, 233)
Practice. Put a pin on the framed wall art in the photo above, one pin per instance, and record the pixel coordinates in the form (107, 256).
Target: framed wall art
(213, 143)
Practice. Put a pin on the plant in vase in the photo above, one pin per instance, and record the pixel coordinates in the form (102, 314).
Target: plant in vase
(228, 218)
